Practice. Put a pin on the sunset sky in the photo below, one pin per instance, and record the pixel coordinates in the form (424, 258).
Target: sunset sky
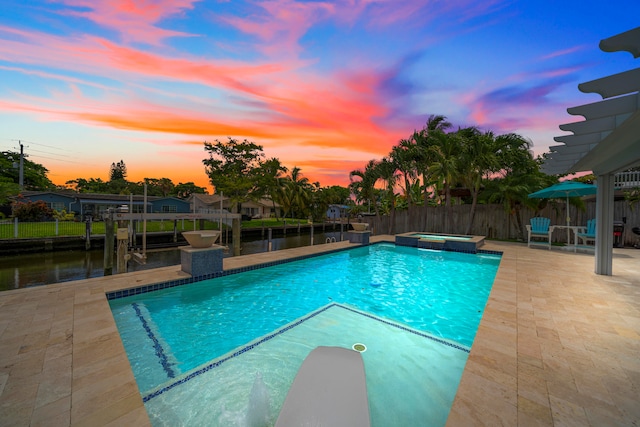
(322, 85)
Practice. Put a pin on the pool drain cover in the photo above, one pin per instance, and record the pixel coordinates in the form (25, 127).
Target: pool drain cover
(359, 347)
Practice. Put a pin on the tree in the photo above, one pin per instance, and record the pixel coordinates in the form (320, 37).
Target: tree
(234, 168)
(118, 171)
(404, 156)
(364, 188)
(271, 181)
(518, 176)
(34, 174)
(92, 185)
(423, 141)
(296, 193)
(162, 187)
(184, 190)
(7, 189)
(386, 170)
(444, 152)
(478, 159)
(325, 196)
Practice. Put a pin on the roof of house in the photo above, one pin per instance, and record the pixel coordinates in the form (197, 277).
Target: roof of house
(208, 199)
(120, 198)
(262, 202)
(213, 199)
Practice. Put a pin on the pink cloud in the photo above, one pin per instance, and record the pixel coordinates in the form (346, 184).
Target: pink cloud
(565, 52)
(391, 12)
(98, 56)
(281, 25)
(286, 99)
(275, 103)
(135, 21)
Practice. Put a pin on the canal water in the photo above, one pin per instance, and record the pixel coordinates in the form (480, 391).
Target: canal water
(37, 269)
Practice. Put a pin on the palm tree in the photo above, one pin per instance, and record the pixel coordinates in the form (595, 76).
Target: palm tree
(445, 152)
(271, 181)
(386, 170)
(478, 159)
(424, 156)
(364, 188)
(437, 123)
(297, 191)
(517, 177)
(404, 156)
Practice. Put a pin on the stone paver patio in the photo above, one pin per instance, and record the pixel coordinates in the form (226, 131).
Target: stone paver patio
(558, 345)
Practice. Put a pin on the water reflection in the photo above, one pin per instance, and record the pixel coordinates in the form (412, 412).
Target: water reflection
(27, 270)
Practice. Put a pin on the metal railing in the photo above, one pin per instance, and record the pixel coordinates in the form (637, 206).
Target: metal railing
(15, 229)
(626, 180)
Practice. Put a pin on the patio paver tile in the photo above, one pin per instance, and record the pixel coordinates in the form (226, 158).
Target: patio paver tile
(557, 345)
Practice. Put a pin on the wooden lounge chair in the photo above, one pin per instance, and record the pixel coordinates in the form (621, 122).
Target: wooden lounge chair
(588, 234)
(539, 228)
(329, 390)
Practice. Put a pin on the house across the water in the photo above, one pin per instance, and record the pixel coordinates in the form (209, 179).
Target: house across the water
(95, 205)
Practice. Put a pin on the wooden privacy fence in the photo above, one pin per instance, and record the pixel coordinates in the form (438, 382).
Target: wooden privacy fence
(494, 222)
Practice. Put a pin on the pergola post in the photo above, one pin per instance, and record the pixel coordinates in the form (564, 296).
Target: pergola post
(604, 224)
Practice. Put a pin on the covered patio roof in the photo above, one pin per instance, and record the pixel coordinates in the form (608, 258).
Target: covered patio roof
(607, 141)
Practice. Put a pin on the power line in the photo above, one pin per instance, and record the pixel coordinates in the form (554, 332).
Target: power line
(38, 156)
(22, 141)
(46, 152)
(45, 145)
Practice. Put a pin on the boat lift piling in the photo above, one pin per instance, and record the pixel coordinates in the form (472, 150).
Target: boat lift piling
(123, 215)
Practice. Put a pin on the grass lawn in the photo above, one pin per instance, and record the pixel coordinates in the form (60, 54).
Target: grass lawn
(33, 230)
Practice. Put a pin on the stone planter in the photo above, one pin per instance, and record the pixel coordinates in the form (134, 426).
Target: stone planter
(359, 226)
(201, 238)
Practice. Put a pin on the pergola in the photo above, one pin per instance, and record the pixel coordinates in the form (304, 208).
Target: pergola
(606, 142)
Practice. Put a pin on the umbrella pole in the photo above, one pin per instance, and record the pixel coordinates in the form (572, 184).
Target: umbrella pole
(568, 223)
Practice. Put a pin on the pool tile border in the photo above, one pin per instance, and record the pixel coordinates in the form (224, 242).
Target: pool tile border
(262, 340)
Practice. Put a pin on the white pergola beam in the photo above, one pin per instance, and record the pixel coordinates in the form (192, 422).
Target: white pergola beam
(600, 125)
(627, 42)
(606, 142)
(611, 107)
(585, 141)
(615, 85)
(616, 151)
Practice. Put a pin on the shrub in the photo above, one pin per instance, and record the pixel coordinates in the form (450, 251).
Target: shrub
(63, 215)
(32, 211)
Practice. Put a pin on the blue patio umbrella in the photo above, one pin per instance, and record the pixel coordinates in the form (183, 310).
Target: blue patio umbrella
(564, 190)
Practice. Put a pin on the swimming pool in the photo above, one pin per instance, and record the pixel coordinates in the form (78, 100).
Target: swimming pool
(177, 336)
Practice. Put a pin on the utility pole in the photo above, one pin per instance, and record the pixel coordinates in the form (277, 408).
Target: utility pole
(21, 172)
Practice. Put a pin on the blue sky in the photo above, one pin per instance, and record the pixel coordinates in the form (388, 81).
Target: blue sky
(322, 85)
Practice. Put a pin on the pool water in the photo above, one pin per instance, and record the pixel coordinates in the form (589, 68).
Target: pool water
(411, 377)
(171, 334)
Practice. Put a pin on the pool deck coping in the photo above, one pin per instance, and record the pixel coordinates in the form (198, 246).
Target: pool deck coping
(557, 345)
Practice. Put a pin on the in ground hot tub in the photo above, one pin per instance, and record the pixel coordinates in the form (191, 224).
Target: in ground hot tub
(439, 241)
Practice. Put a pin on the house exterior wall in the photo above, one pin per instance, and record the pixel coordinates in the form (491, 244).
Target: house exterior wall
(54, 201)
(170, 205)
(97, 205)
